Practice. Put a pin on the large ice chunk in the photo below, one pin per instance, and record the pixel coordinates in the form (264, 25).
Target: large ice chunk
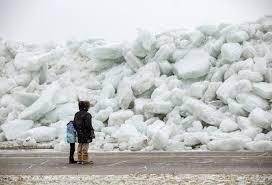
(263, 89)
(267, 36)
(196, 126)
(260, 65)
(41, 134)
(228, 125)
(43, 73)
(138, 50)
(248, 51)
(244, 123)
(115, 74)
(143, 44)
(210, 30)
(232, 87)
(97, 125)
(161, 137)
(146, 39)
(6, 85)
(62, 111)
(218, 75)
(139, 105)
(29, 61)
(124, 94)
(197, 38)
(100, 65)
(137, 142)
(231, 51)
(44, 104)
(2, 137)
(177, 96)
(144, 79)
(195, 138)
(268, 75)
(187, 122)
(23, 79)
(107, 91)
(133, 62)
(125, 132)
(237, 36)
(161, 93)
(165, 67)
(237, 66)
(111, 51)
(179, 54)
(214, 47)
(250, 75)
(26, 98)
(251, 101)
(103, 115)
(175, 146)
(61, 127)
(194, 65)
(259, 146)
(138, 122)
(228, 144)
(236, 108)
(16, 128)
(261, 118)
(203, 111)
(163, 39)
(198, 89)
(105, 103)
(210, 93)
(158, 107)
(164, 52)
(7, 101)
(119, 117)
(154, 127)
(160, 140)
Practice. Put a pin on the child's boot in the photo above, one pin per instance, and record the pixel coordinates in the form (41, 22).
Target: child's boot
(72, 160)
(79, 158)
(85, 159)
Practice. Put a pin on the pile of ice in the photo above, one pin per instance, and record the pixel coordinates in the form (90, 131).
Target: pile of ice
(210, 89)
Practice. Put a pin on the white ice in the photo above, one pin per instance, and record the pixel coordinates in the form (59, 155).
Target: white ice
(206, 89)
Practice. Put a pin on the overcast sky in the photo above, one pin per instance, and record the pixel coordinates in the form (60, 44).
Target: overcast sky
(117, 20)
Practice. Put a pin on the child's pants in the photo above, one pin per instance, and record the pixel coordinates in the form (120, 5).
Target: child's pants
(83, 148)
(72, 150)
(82, 152)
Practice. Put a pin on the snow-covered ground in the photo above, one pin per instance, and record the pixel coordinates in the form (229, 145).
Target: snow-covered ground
(208, 89)
(204, 179)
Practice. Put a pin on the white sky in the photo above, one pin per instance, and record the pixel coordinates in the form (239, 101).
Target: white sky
(117, 20)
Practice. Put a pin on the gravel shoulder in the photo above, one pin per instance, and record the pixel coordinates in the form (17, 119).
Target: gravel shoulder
(150, 179)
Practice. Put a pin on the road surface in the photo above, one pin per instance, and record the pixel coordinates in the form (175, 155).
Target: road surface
(46, 162)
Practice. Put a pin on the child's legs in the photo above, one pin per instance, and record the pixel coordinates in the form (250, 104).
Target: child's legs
(72, 150)
(85, 156)
(79, 148)
(85, 147)
(79, 152)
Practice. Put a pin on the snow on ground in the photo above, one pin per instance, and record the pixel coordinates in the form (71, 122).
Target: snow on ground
(204, 179)
(209, 89)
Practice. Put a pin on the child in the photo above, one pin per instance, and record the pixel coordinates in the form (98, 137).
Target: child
(72, 139)
(85, 131)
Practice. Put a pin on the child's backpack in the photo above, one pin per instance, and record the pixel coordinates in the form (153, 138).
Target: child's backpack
(71, 135)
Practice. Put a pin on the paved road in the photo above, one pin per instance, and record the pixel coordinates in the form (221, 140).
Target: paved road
(45, 162)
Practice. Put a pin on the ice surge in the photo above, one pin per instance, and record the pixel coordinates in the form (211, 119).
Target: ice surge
(209, 89)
